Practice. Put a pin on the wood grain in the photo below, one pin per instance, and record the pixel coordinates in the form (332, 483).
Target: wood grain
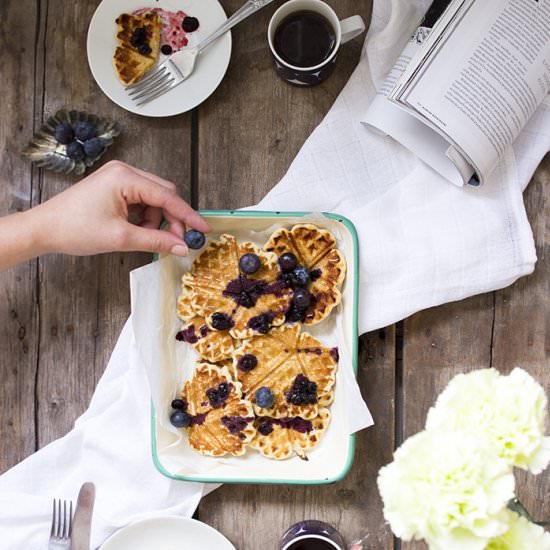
(85, 301)
(504, 329)
(19, 308)
(248, 133)
(522, 326)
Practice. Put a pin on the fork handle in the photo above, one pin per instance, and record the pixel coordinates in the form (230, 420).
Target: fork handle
(246, 10)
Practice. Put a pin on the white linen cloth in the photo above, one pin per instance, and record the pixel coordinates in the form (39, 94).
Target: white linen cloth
(422, 242)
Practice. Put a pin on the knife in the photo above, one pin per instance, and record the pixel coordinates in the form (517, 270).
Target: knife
(82, 522)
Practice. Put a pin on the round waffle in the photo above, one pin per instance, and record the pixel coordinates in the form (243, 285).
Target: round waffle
(251, 304)
(221, 427)
(282, 355)
(212, 345)
(280, 439)
(315, 249)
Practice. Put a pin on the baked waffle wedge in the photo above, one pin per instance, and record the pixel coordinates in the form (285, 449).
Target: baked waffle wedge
(280, 439)
(280, 361)
(138, 50)
(227, 299)
(315, 249)
(221, 421)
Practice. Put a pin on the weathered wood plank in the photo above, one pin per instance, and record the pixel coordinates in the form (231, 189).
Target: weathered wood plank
(85, 301)
(19, 311)
(249, 132)
(442, 342)
(522, 325)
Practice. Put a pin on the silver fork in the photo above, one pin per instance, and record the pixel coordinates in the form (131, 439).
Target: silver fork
(62, 522)
(179, 66)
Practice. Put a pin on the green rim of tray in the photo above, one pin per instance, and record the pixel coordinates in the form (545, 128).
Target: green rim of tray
(354, 356)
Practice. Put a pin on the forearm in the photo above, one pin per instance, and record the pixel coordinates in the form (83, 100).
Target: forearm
(21, 238)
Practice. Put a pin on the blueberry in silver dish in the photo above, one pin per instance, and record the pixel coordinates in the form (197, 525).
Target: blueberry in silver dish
(287, 262)
(194, 239)
(75, 151)
(221, 321)
(93, 147)
(264, 398)
(250, 264)
(84, 130)
(180, 419)
(301, 277)
(63, 133)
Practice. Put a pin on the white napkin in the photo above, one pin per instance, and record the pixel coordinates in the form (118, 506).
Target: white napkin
(423, 242)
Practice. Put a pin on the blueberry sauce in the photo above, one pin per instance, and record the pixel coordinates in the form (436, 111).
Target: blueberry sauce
(236, 424)
(262, 323)
(295, 423)
(187, 335)
(198, 419)
(247, 362)
(204, 330)
(314, 274)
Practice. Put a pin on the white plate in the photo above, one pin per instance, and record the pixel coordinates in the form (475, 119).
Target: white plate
(209, 71)
(167, 533)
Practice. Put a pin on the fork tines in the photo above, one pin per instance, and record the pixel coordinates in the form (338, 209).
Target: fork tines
(62, 520)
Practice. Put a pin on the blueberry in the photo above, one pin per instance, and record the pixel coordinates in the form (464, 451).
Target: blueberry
(264, 398)
(144, 49)
(194, 239)
(265, 428)
(247, 362)
(249, 263)
(287, 262)
(295, 314)
(213, 397)
(139, 36)
(84, 130)
(301, 277)
(261, 323)
(190, 24)
(75, 151)
(223, 390)
(302, 298)
(179, 404)
(63, 133)
(180, 419)
(220, 321)
(166, 49)
(93, 147)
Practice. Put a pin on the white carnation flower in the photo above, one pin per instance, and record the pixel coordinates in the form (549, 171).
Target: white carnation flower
(448, 489)
(508, 411)
(521, 535)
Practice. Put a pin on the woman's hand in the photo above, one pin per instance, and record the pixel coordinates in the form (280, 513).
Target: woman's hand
(117, 208)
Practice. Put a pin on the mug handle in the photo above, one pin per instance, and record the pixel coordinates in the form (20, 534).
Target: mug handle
(351, 27)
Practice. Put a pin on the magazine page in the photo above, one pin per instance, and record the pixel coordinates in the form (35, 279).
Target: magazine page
(484, 77)
(392, 120)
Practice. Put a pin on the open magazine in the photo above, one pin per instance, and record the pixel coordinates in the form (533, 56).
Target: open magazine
(466, 84)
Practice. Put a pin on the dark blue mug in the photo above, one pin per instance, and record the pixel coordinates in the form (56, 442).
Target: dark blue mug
(341, 32)
(312, 535)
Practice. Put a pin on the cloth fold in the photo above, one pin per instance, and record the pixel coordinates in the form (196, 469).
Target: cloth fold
(422, 242)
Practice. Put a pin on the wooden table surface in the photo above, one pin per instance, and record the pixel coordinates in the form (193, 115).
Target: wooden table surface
(60, 317)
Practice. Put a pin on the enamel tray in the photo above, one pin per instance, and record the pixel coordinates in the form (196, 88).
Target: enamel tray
(332, 458)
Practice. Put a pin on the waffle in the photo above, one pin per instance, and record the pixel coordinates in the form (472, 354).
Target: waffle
(285, 440)
(129, 63)
(315, 249)
(217, 430)
(282, 355)
(215, 285)
(212, 345)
